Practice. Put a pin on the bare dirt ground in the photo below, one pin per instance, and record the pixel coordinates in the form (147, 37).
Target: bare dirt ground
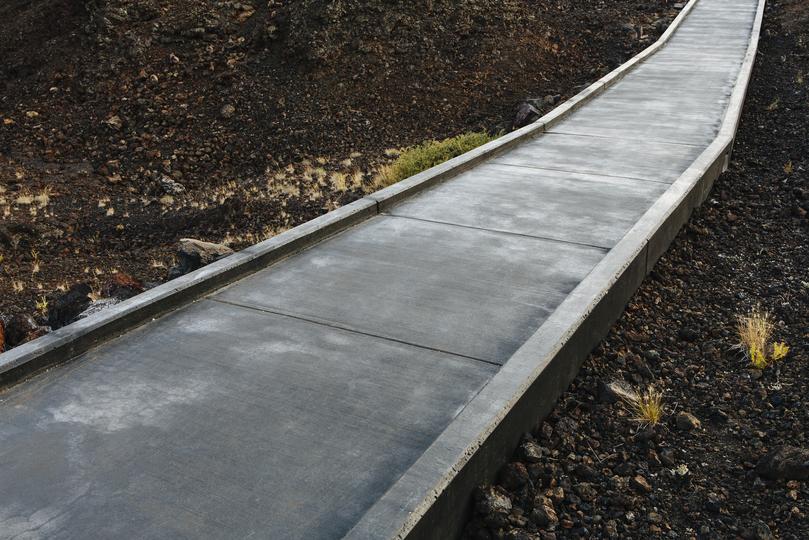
(731, 457)
(127, 125)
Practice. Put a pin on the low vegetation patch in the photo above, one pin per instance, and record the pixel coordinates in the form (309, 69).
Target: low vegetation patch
(755, 334)
(429, 154)
(646, 406)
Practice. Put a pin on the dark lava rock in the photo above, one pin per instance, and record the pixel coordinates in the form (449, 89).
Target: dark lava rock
(544, 514)
(718, 416)
(123, 286)
(531, 452)
(640, 484)
(667, 457)
(585, 472)
(522, 535)
(586, 491)
(607, 392)
(194, 254)
(686, 421)
(64, 308)
(514, 476)
(785, 463)
(713, 503)
(493, 504)
(758, 531)
(526, 114)
(688, 334)
(18, 330)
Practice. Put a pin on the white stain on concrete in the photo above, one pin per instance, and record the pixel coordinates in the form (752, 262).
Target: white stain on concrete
(111, 407)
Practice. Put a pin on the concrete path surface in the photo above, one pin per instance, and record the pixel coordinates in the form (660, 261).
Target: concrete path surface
(286, 404)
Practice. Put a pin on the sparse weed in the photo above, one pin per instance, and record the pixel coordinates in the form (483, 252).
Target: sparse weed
(34, 263)
(646, 406)
(96, 294)
(25, 199)
(779, 350)
(42, 306)
(755, 332)
(429, 154)
(338, 180)
(43, 198)
(789, 168)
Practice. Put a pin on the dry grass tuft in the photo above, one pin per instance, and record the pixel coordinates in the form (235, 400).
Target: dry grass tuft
(755, 332)
(646, 406)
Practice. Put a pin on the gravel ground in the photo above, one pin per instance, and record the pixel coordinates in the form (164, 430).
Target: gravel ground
(730, 458)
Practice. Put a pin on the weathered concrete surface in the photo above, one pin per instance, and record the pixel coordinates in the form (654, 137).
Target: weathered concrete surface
(608, 156)
(470, 292)
(340, 390)
(571, 207)
(222, 422)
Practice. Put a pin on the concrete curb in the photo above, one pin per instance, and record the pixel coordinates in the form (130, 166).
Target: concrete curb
(483, 436)
(72, 340)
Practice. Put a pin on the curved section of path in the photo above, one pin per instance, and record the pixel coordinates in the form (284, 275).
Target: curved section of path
(295, 403)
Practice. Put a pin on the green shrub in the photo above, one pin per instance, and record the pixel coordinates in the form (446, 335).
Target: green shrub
(429, 154)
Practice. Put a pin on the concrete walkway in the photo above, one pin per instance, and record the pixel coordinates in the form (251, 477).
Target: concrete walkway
(285, 405)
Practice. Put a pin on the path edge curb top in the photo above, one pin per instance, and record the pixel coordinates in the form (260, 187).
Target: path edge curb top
(483, 436)
(78, 337)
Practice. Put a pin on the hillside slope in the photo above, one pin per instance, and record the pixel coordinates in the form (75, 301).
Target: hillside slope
(126, 125)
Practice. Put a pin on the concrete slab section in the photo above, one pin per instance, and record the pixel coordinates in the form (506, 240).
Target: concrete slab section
(649, 123)
(658, 82)
(222, 422)
(658, 161)
(581, 208)
(466, 291)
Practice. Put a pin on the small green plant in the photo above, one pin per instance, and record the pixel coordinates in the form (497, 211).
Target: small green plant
(755, 332)
(779, 351)
(42, 306)
(646, 406)
(428, 154)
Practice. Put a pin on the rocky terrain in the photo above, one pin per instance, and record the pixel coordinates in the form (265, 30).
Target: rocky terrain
(730, 458)
(128, 125)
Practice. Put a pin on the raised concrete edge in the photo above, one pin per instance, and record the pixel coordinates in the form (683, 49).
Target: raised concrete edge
(432, 499)
(72, 340)
(76, 338)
